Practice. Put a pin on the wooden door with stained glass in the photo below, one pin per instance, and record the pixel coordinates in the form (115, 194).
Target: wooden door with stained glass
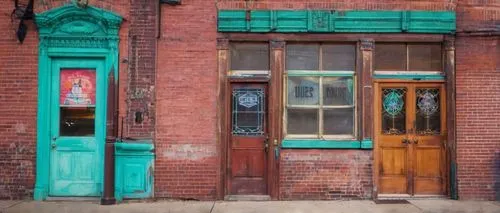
(248, 140)
(410, 138)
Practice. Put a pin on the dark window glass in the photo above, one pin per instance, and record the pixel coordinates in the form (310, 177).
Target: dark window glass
(393, 111)
(390, 57)
(302, 57)
(77, 121)
(248, 111)
(249, 56)
(425, 57)
(339, 57)
(303, 121)
(428, 113)
(338, 121)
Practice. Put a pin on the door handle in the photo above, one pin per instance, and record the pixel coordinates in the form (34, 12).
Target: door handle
(266, 144)
(406, 141)
(415, 141)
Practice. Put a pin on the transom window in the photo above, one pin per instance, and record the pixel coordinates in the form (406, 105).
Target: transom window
(320, 91)
(408, 57)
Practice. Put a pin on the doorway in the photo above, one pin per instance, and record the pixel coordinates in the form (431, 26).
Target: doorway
(248, 144)
(410, 137)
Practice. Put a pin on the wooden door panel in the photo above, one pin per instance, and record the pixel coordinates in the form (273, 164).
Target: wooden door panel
(393, 185)
(428, 161)
(394, 162)
(247, 152)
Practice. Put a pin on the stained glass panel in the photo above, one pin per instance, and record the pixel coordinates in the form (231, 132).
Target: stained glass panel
(393, 111)
(248, 111)
(428, 116)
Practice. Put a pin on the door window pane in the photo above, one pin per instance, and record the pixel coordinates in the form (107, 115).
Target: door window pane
(77, 121)
(425, 57)
(77, 101)
(303, 121)
(393, 111)
(248, 111)
(303, 90)
(390, 57)
(338, 121)
(428, 115)
(338, 91)
(339, 57)
(302, 57)
(249, 56)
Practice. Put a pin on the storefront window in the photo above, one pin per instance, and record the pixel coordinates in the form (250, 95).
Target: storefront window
(320, 94)
(408, 57)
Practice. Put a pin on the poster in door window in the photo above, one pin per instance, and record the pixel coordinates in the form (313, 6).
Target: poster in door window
(77, 87)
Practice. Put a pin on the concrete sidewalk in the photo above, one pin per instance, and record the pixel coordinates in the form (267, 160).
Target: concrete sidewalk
(439, 206)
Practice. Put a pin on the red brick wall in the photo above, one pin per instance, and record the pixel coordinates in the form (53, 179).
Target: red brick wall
(18, 95)
(478, 100)
(186, 148)
(325, 174)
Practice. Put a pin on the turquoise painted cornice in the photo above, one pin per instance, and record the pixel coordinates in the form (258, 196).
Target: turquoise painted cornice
(73, 21)
(331, 21)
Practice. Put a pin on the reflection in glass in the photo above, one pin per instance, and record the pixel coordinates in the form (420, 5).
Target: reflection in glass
(77, 121)
(302, 121)
(248, 111)
(302, 57)
(249, 56)
(338, 91)
(338, 121)
(428, 112)
(303, 90)
(393, 111)
(339, 57)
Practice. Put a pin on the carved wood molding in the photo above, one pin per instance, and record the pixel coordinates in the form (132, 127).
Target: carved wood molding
(449, 43)
(367, 44)
(222, 43)
(277, 44)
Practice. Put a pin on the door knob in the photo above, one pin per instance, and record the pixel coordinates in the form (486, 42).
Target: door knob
(415, 141)
(405, 140)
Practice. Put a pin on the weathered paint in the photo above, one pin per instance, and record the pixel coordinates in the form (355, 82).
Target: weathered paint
(134, 171)
(411, 76)
(325, 144)
(72, 35)
(328, 21)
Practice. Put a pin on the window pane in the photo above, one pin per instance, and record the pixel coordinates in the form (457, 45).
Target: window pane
(425, 57)
(303, 90)
(338, 121)
(302, 57)
(302, 121)
(249, 56)
(77, 121)
(393, 111)
(248, 111)
(390, 57)
(339, 57)
(428, 112)
(77, 87)
(338, 91)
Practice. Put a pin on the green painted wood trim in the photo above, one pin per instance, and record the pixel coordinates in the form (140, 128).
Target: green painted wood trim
(321, 73)
(366, 144)
(320, 144)
(75, 34)
(133, 147)
(330, 21)
(410, 77)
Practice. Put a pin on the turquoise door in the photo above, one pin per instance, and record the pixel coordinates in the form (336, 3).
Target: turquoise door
(77, 127)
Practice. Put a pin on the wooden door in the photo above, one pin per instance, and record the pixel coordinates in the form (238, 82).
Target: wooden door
(248, 140)
(77, 121)
(410, 133)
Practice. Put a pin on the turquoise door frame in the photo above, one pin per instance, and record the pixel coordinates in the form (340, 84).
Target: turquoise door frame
(76, 162)
(70, 35)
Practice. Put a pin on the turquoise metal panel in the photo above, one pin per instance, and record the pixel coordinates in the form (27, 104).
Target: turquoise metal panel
(320, 144)
(432, 22)
(319, 21)
(368, 21)
(261, 20)
(232, 21)
(329, 21)
(291, 21)
(134, 169)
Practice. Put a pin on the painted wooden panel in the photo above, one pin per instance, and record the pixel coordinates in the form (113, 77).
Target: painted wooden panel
(329, 21)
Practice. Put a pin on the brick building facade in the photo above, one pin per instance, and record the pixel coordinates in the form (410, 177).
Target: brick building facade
(176, 66)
